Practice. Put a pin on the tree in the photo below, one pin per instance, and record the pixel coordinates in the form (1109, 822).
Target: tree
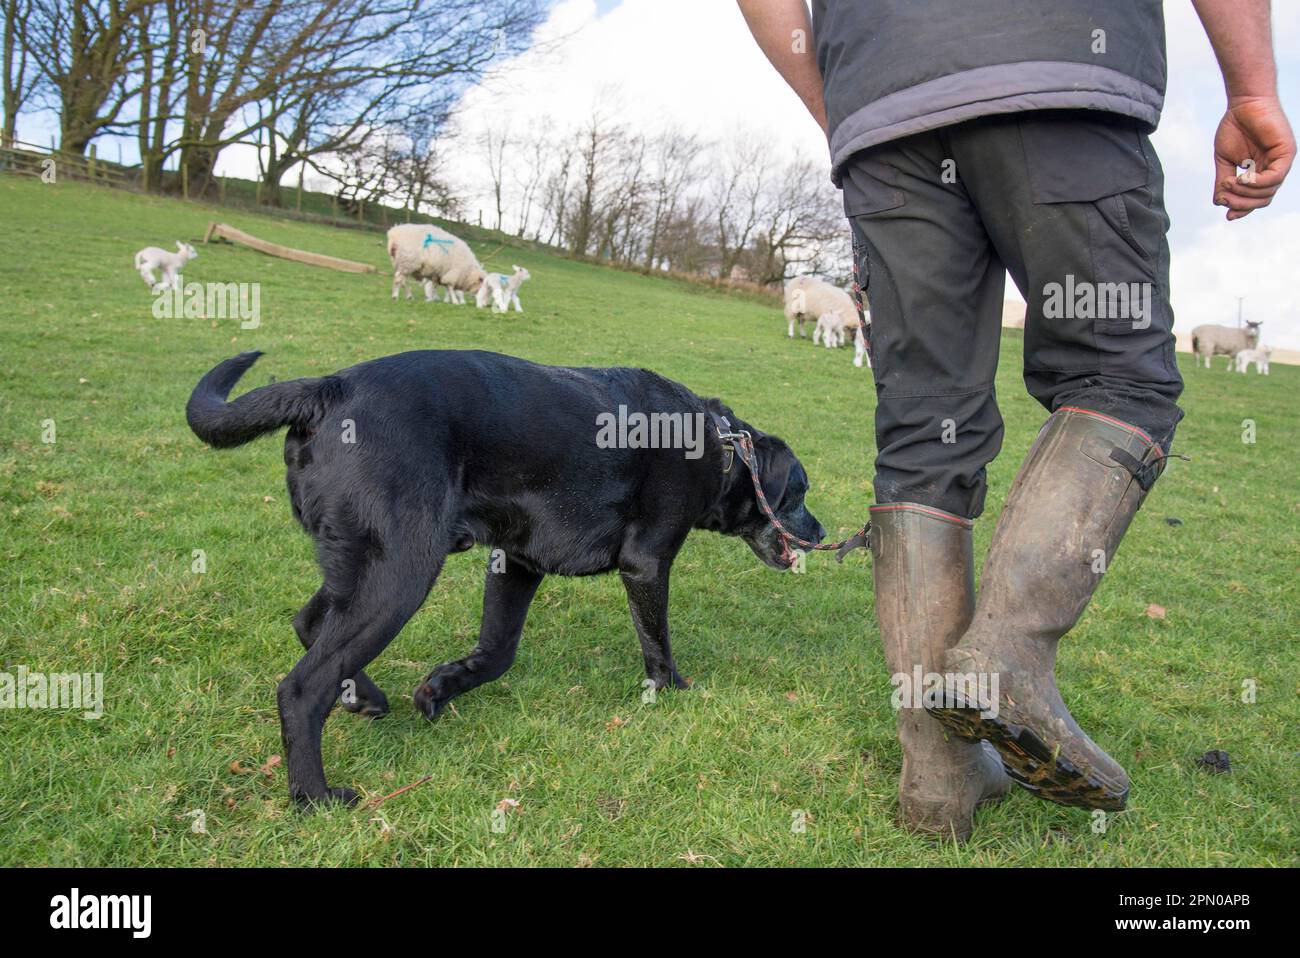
(20, 76)
(85, 50)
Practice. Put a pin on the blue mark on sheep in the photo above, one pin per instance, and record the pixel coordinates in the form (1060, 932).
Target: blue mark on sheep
(429, 241)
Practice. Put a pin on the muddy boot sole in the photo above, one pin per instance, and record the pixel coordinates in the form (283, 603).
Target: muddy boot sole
(1030, 762)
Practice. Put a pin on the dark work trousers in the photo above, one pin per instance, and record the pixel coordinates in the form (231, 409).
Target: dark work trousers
(1071, 204)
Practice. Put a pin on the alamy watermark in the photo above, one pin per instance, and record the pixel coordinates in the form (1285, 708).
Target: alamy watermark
(1109, 301)
(656, 430)
(242, 301)
(71, 691)
(918, 689)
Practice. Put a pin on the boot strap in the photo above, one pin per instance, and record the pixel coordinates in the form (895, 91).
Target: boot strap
(1146, 473)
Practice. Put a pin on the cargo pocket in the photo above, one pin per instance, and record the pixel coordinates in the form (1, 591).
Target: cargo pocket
(1107, 171)
(869, 188)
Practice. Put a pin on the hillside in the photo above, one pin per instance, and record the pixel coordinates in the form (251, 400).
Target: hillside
(791, 711)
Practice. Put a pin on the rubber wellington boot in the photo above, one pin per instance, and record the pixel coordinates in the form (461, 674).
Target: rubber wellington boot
(925, 592)
(1078, 490)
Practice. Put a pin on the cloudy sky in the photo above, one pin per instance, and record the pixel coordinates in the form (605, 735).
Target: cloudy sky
(692, 62)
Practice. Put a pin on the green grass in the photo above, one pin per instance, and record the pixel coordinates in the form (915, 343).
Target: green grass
(791, 710)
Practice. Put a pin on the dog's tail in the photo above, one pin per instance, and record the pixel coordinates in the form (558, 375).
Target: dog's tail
(296, 402)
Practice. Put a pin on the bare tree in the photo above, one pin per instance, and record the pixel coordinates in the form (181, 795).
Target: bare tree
(675, 154)
(535, 154)
(493, 144)
(85, 50)
(20, 76)
(737, 194)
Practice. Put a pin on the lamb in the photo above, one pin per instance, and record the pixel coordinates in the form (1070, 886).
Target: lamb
(153, 257)
(503, 290)
(433, 256)
(1209, 341)
(833, 330)
(1259, 357)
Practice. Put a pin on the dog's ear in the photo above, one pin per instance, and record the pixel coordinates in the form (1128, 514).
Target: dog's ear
(775, 461)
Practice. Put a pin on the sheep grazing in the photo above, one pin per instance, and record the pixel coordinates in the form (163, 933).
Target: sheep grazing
(1209, 341)
(153, 257)
(503, 290)
(1259, 357)
(807, 297)
(433, 256)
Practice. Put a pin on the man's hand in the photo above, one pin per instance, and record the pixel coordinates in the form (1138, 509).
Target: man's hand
(1254, 134)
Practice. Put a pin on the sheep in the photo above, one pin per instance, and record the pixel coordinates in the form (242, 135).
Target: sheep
(1209, 341)
(503, 290)
(1259, 357)
(808, 296)
(433, 256)
(153, 257)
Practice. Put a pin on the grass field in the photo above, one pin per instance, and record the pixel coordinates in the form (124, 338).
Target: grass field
(790, 713)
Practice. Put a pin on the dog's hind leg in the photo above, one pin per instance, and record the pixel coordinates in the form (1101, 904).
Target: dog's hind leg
(359, 694)
(506, 597)
(388, 587)
(646, 584)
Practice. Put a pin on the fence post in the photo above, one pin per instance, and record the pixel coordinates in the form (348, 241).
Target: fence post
(221, 189)
(90, 164)
(361, 210)
(185, 181)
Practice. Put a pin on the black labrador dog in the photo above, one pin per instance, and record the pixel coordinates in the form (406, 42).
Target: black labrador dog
(395, 463)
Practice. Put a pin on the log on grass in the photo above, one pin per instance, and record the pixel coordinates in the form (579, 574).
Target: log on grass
(223, 232)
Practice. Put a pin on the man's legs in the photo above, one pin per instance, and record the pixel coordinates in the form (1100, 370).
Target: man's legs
(935, 287)
(1074, 206)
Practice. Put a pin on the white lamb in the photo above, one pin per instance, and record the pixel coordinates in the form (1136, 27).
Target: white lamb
(433, 256)
(504, 290)
(834, 329)
(1259, 357)
(153, 257)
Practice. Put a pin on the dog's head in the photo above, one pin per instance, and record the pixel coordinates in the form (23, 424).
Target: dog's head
(784, 482)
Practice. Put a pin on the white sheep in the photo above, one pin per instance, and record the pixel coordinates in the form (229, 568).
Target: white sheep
(1259, 357)
(433, 256)
(153, 257)
(808, 298)
(503, 290)
(1210, 341)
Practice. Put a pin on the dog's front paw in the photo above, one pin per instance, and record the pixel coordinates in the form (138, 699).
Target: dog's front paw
(428, 701)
